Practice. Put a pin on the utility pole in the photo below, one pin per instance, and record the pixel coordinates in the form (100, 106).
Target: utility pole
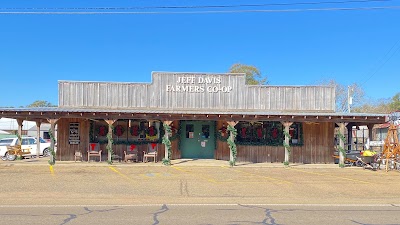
(349, 97)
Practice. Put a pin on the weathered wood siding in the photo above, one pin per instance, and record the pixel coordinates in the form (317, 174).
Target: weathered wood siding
(65, 151)
(176, 153)
(318, 148)
(318, 145)
(166, 93)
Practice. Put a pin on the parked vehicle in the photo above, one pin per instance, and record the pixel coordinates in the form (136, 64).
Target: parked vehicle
(28, 144)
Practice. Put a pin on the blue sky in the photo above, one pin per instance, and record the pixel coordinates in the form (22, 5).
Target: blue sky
(290, 48)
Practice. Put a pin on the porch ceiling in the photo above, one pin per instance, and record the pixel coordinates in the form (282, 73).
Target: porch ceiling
(42, 114)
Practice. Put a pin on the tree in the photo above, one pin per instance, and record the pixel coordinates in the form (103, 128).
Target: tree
(356, 92)
(374, 106)
(40, 103)
(253, 74)
(395, 104)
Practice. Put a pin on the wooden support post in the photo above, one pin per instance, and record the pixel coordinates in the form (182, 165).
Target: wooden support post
(342, 127)
(286, 125)
(370, 135)
(166, 135)
(20, 121)
(38, 122)
(349, 136)
(231, 123)
(52, 143)
(110, 132)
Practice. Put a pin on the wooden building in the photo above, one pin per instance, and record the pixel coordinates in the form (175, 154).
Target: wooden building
(198, 107)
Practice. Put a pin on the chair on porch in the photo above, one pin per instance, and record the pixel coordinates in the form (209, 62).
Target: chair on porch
(94, 151)
(131, 153)
(78, 155)
(151, 152)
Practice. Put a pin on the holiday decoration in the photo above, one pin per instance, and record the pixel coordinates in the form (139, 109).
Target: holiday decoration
(102, 130)
(135, 130)
(151, 131)
(119, 130)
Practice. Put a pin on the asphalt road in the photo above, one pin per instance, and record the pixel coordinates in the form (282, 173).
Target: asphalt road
(94, 193)
(202, 214)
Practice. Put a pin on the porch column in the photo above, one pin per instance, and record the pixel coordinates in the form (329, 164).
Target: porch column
(231, 137)
(349, 136)
(370, 135)
(52, 138)
(287, 125)
(109, 143)
(342, 127)
(166, 137)
(20, 121)
(38, 138)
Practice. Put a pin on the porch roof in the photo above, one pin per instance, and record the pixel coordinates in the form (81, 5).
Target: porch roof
(42, 114)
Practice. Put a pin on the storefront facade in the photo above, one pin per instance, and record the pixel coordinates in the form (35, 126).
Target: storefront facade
(198, 107)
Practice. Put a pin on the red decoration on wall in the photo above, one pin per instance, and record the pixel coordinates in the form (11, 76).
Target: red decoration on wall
(153, 145)
(102, 131)
(259, 132)
(119, 130)
(151, 131)
(135, 130)
(274, 133)
(243, 132)
(132, 147)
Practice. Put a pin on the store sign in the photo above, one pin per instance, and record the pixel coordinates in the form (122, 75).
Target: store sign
(195, 84)
(74, 134)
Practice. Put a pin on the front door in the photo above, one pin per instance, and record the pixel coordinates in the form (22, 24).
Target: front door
(197, 139)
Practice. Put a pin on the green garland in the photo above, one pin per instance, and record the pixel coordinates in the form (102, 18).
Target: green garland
(232, 145)
(268, 140)
(110, 143)
(167, 143)
(91, 136)
(176, 135)
(341, 149)
(52, 160)
(287, 146)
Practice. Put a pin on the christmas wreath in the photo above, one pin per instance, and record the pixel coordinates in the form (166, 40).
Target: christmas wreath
(119, 130)
(151, 131)
(245, 132)
(274, 133)
(135, 130)
(223, 131)
(102, 130)
(259, 132)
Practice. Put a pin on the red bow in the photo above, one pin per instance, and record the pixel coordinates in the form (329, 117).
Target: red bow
(93, 145)
(132, 147)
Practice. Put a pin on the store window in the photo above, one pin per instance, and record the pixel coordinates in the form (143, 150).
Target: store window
(267, 133)
(189, 131)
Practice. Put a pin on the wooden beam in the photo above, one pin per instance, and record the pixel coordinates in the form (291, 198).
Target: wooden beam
(342, 127)
(38, 123)
(287, 125)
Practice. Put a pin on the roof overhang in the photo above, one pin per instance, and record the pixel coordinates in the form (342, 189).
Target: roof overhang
(43, 114)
